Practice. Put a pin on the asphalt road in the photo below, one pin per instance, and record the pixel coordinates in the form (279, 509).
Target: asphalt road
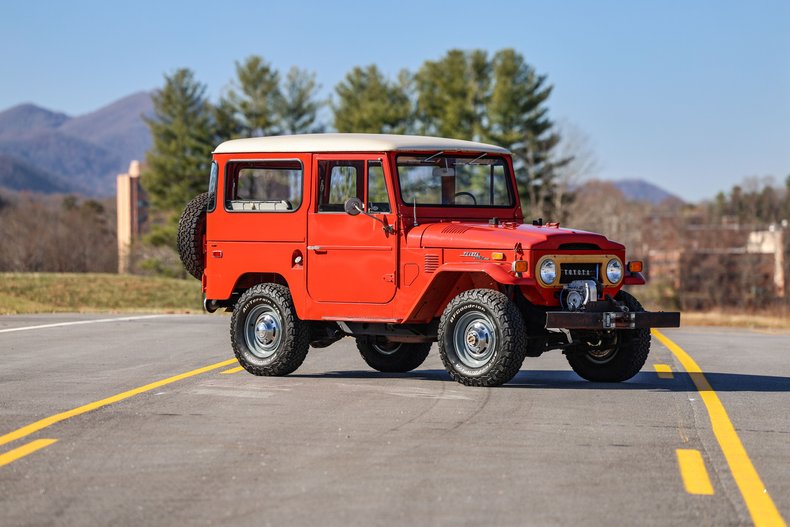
(338, 444)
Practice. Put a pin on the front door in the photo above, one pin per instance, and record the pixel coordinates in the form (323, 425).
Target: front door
(351, 259)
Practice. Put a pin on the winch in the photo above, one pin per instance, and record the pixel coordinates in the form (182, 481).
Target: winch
(577, 294)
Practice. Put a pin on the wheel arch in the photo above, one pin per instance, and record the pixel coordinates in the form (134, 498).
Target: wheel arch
(445, 286)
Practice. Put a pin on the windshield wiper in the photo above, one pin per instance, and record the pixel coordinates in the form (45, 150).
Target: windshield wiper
(481, 156)
(431, 157)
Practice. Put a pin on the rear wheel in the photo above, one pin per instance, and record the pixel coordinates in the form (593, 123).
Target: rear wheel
(391, 357)
(613, 357)
(267, 336)
(482, 338)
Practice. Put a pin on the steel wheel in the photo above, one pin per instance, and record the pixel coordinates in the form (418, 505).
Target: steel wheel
(267, 336)
(475, 339)
(482, 338)
(386, 348)
(263, 331)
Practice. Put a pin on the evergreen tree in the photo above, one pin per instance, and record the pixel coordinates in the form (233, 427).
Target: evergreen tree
(177, 165)
(226, 125)
(501, 100)
(298, 106)
(368, 102)
(254, 98)
(451, 94)
(518, 121)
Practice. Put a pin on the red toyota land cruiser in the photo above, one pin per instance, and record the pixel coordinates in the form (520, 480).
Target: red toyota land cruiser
(399, 242)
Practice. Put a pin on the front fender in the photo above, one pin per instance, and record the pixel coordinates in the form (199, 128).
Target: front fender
(452, 278)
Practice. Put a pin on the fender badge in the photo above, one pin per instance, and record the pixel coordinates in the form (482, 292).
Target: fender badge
(474, 254)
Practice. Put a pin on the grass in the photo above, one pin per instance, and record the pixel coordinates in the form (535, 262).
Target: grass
(736, 320)
(97, 293)
(110, 293)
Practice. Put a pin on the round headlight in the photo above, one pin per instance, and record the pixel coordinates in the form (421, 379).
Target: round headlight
(614, 271)
(548, 271)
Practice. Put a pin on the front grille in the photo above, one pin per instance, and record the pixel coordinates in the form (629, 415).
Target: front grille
(578, 271)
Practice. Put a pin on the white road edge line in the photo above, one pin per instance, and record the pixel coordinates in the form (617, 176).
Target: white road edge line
(79, 322)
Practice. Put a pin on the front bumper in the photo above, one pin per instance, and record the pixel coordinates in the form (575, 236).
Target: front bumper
(611, 319)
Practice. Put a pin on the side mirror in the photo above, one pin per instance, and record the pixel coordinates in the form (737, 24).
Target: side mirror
(353, 206)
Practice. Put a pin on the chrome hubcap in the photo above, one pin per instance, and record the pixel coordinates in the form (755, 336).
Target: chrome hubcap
(263, 333)
(387, 348)
(474, 337)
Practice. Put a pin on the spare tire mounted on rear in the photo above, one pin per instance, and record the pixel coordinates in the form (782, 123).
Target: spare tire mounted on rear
(192, 235)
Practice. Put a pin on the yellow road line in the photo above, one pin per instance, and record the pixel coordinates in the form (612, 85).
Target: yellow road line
(663, 371)
(232, 370)
(29, 448)
(692, 469)
(53, 419)
(761, 507)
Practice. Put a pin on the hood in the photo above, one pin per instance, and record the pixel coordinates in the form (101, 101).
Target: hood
(458, 235)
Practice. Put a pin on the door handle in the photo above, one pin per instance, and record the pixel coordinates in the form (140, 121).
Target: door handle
(317, 248)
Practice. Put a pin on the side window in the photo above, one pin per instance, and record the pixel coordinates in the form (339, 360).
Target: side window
(378, 200)
(264, 186)
(212, 188)
(338, 181)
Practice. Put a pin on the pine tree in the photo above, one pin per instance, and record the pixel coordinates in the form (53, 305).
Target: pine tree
(518, 121)
(298, 106)
(254, 98)
(501, 100)
(451, 94)
(177, 165)
(368, 102)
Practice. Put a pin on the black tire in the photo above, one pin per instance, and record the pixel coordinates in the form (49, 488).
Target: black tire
(392, 357)
(192, 234)
(620, 362)
(482, 338)
(267, 336)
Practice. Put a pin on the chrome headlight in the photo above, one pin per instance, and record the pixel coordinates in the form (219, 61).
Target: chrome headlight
(614, 271)
(548, 271)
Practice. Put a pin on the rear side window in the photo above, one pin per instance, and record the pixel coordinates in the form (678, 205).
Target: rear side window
(212, 188)
(264, 186)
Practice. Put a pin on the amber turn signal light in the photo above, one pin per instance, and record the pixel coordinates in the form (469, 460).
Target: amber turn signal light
(635, 266)
(497, 256)
(520, 266)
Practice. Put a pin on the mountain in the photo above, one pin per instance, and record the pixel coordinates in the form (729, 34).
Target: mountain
(90, 166)
(18, 175)
(84, 153)
(28, 117)
(641, 190)
(117, 127)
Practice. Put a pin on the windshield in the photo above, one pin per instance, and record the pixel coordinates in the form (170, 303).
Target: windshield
(475, 180)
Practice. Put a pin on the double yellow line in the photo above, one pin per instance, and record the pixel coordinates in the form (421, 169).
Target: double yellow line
(761, 507)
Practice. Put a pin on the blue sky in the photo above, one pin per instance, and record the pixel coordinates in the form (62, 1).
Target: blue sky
(693, 96)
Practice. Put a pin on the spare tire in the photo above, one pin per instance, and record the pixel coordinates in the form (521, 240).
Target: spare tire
(192, 234)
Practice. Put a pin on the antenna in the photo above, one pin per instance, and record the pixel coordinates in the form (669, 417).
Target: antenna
(415, 210)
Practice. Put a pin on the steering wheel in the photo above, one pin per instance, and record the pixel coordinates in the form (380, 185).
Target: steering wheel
(474, 200)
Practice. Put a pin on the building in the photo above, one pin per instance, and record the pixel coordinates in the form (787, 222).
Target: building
(131, 213)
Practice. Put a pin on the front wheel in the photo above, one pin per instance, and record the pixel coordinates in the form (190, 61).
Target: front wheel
(482, 338)
(392, 357)
(267, 336)
(620, 357)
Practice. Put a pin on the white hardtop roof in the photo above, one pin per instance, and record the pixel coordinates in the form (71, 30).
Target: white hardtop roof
(352, 143)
